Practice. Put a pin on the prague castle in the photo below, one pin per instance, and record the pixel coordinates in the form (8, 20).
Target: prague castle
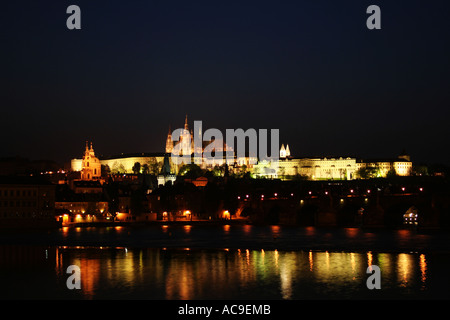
(287, 167)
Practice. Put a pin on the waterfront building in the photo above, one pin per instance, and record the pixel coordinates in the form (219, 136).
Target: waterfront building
(26, 201)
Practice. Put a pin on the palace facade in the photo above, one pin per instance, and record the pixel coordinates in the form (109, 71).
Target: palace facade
(286, 168)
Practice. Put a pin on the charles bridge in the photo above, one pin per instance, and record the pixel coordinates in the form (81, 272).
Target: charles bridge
(338, 204)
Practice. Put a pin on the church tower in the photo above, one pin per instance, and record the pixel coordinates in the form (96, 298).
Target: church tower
(185, 144)
(282, 152)
(169, 142)
(186, 127)
(90, 164)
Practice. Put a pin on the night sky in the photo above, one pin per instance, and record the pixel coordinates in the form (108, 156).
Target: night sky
(309, 68)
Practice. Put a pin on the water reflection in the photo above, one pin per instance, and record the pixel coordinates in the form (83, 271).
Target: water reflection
(146, 273)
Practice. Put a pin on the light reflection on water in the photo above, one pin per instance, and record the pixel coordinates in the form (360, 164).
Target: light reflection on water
(144, 273)
(224, 262)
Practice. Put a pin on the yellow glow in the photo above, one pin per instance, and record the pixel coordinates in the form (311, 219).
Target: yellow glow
(276, 257)
(423, 268)
(404, 268)
(352, 261)
(187, 228)
(369, 258)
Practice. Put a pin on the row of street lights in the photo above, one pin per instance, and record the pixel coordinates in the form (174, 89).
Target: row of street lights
(310, 193)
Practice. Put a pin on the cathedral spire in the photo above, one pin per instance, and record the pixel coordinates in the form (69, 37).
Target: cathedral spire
(186, 127)
(169, 142)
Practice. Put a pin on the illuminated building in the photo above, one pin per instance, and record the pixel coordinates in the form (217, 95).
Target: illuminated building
(330, 168)
(309, 168)
(90, 165)
(83, 202)
(287, 167)
(401, 166)
(166, 173)
(185, 146)
(124, 163)
(285, 152)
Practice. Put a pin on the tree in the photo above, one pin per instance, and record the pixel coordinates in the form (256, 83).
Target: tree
(118, 168)
(391, 173)
(368, 172)
(154, 166)
(136, 168)
(105, 170)
(190, 171)
(145, 169)
(218, 171)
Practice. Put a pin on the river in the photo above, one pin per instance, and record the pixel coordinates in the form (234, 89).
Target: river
(197, 262)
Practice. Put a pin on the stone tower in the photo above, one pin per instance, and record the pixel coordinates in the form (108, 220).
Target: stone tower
(169, 142)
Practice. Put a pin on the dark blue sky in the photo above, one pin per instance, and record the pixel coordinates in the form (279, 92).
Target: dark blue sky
(309, 68)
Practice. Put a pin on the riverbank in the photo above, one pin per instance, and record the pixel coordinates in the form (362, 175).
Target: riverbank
(157, 223)
(200, 235)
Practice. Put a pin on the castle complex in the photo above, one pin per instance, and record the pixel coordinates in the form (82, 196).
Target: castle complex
(287, 167)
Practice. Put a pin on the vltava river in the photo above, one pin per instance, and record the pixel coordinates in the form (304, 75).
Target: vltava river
(265, 266)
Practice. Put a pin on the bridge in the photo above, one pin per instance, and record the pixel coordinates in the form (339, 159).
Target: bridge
(371, 208)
